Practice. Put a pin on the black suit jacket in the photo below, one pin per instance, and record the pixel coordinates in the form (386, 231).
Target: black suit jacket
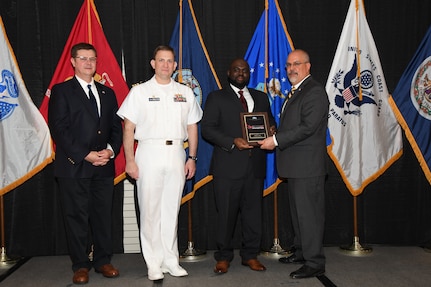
(301, 135)
(221, 124)
(77, 130)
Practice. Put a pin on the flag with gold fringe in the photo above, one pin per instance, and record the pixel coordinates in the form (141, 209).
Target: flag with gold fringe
(88, 28)
(366, 138)
(25, 140)
(411, 102)
(266, 55)
(196, 71)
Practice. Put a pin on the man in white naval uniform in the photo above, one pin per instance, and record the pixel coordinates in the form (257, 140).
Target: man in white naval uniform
(160, 114)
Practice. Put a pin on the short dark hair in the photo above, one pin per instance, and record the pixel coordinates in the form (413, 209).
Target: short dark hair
(163, 48)
(81, 46)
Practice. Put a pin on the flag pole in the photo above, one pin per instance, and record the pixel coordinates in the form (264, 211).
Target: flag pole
(191, 254)
(180, 45)
(276, 250)
(266, 43)
(4, 260)
(356, 249)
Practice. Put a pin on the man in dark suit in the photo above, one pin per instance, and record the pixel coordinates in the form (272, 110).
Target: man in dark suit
(238, 168)
(88, 134)
(301, 159)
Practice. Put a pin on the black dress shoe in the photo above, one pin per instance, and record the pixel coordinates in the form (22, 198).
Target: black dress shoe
(306, 272)
(291, 259)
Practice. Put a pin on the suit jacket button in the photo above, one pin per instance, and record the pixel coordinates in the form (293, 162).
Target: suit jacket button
(99, 132)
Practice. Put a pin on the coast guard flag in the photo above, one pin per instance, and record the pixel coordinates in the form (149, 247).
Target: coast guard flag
(266, 55)
(366, 136)
(25, 141)
(87, 28)
(411, 102)
(196, 71)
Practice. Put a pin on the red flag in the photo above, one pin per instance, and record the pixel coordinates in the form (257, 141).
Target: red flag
(87, 28)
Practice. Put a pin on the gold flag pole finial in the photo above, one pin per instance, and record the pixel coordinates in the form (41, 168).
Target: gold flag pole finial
(180, 45)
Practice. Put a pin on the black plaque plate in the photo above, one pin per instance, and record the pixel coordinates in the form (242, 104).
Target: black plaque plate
(255, 127)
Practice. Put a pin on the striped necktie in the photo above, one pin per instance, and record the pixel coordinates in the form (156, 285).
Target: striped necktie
(292, 91)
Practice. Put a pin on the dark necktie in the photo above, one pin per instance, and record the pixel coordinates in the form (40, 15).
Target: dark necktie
(93, 100)
(243, 101)
(292, 91)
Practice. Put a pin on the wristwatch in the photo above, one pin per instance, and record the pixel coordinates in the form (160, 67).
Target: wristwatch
(195, 158)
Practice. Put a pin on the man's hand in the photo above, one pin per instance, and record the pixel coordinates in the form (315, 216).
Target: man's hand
(132, 169)
(190, 168)
(267, 143)
(241, 144)
(99, 158)
(272, 130)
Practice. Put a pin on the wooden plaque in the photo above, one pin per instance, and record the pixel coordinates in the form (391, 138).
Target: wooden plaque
(255, 127)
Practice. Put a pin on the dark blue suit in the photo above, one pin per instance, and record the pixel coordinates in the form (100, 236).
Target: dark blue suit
(86, 190)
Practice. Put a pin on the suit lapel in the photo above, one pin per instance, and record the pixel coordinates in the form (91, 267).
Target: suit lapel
(290, 101)
(295, 96)
(254, 99)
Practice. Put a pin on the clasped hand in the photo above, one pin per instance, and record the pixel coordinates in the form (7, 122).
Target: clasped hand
(99, 158)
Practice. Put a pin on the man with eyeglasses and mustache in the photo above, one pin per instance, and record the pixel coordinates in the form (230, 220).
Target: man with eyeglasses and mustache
(88, 134)
(300, 144)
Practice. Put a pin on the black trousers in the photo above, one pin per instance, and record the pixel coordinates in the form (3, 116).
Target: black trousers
(307, 208)
(87, 209)
(238, 197)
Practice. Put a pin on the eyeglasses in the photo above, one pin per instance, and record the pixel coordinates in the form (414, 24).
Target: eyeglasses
(162, 61)
(85, 59)
(294, 64)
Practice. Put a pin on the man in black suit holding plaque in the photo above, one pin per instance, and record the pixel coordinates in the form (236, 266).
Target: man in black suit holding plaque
(238, 167)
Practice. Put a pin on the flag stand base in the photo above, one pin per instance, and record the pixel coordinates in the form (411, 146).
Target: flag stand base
(356, 249)
(4, 260)
(276, 250)
(191, 254)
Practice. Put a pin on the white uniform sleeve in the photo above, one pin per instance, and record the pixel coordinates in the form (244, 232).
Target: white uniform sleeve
(128, 107)
(196, 112)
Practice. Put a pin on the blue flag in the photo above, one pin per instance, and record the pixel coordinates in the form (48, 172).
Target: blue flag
(196, 71)
(266, 55)
(411, 102)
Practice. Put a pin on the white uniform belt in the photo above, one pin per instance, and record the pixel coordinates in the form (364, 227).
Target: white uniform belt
(162, 142)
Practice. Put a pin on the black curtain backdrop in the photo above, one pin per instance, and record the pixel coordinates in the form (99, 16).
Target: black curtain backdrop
(395, 209)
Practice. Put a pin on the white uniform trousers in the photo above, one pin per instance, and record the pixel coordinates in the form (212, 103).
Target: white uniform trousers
(160, 187)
